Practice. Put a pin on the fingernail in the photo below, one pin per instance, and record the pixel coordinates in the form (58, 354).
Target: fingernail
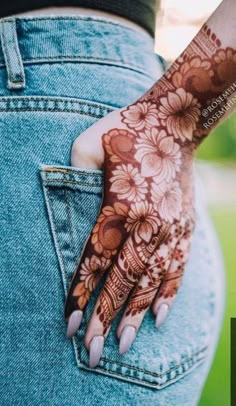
(95, 350)
(127, 337)
(161, 314)
(74, 323)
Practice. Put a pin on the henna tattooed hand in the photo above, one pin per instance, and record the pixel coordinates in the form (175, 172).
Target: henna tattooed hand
(142, 236)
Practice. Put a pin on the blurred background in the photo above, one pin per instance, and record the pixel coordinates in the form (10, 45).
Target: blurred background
(177, 23)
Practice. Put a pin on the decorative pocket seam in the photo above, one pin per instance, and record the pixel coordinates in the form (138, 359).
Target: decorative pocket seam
(136, 380)
(54, 233)
(72, 182)
(68, 209)
(155, 373)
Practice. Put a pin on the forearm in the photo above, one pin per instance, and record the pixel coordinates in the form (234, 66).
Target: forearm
(199, 89)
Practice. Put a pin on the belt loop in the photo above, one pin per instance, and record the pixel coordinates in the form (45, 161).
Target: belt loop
(11, 54)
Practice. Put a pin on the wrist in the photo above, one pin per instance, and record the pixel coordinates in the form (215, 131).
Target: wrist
(197, 91)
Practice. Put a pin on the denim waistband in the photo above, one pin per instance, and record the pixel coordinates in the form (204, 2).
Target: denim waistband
(27, 40)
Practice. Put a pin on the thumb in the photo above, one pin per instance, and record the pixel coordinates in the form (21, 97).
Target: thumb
(87, 149)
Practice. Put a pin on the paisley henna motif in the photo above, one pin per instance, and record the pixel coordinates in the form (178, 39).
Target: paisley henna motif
(109, 231)
(119, 145)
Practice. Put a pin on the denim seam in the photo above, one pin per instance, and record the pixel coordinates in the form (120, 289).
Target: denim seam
(78, 18)
(72, 182)
(12, 104)
(89, 19)
(100, 61)
(58, 250)
(155, 374)
(52, 98)
(52, 110)
(50, 177)
(142, 381)
(69, 221)
(55, 234)
(73, 171)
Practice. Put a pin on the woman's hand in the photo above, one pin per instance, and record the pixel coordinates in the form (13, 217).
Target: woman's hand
(142, 236)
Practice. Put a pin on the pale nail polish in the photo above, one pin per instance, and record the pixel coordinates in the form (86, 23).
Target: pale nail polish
(127, 337)
(161, 314)
(95, 350)
(74, 323)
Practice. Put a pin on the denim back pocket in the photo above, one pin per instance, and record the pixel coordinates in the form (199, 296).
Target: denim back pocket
(157, 358)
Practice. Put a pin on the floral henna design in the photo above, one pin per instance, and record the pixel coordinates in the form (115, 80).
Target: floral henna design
(142, 221)
(202, 73)
(91, 271)
(129, 209)
(179, 111)
(158, 154)
(143, 232)
(141, 116)
(128, 183)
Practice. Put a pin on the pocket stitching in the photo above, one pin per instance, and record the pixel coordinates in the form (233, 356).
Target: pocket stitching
(52, 110)
(155, 374)
(50, 103)
(73, 182)
(55, 233)
(68, 209)
(49, 173)
(142, 381)
(77, 170)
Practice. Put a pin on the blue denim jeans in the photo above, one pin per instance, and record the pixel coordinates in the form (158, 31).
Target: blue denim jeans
(58, 75)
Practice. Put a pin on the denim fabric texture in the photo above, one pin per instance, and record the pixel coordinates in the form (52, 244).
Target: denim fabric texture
(58, 75)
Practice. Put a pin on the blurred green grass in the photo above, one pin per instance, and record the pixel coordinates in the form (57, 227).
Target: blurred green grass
(217, 388)
(220, 147)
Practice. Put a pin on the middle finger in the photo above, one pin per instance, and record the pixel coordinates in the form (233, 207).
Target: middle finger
(124, 274)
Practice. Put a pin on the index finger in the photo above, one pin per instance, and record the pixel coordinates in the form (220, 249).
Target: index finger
(104, 242)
